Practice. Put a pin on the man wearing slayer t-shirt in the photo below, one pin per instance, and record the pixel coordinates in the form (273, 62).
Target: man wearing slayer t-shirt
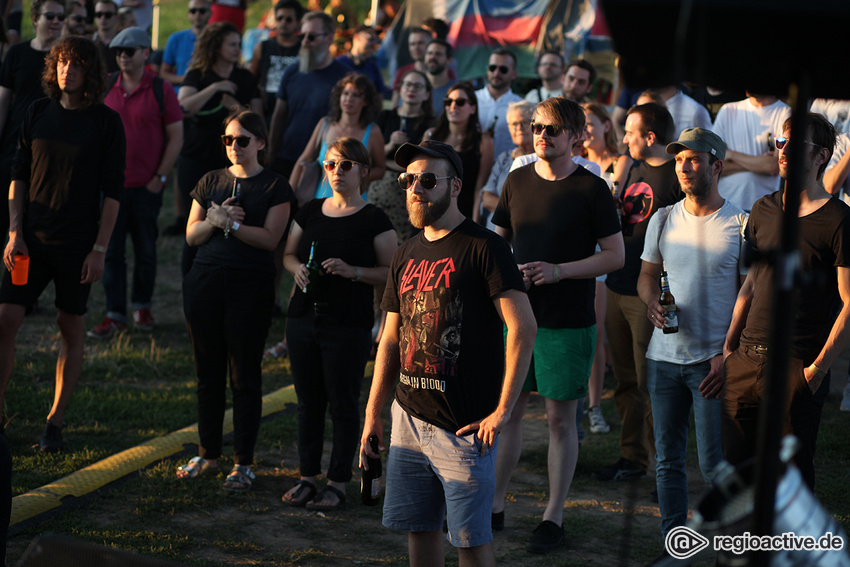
(449, 290)
(651, 185)
(817, 339)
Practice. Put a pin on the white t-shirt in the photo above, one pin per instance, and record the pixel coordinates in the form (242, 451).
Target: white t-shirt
(836, 111)
(490, 108)
(842, 144)
(534, 95)
(701, 256)
(745, 128)
(687, 113)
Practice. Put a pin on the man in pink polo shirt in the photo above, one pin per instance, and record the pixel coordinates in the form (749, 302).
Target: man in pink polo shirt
(153, 124)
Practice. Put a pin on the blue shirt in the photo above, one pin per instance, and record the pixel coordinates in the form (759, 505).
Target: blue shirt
(179, 49)
(369, 68)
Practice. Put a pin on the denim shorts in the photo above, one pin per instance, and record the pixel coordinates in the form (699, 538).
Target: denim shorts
(434, 474)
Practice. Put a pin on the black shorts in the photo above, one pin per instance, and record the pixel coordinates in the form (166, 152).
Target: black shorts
(64, 268)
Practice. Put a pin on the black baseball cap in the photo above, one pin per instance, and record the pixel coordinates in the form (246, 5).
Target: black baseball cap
(409, 152)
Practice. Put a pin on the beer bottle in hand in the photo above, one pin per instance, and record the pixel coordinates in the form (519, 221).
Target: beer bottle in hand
(314, 270)
(370, 481)
(669, 304)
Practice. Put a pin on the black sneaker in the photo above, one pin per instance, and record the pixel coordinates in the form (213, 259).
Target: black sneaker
(547, 537)
(51, 439)
(497, 521)
(623, 469)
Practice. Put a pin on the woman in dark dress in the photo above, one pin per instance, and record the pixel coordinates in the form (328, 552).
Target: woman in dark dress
(238, 216)
(329, 330)
(458, 126)
(406, 123)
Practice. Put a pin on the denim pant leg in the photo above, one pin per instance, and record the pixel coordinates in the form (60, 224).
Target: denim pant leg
(707, 416)
(671, 407)
(115, 264)
(143, 231)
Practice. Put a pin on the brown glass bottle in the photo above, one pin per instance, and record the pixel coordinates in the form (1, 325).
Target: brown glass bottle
(669, 304)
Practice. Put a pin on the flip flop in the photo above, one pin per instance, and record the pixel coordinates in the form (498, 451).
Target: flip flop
(241, 478)
(196, 467)
(279, 350)
(304, 493)
(321, 496)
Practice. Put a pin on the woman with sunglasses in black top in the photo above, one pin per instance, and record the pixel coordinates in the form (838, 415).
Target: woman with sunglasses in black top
(329, 330)
(238, 216)
(458, 126)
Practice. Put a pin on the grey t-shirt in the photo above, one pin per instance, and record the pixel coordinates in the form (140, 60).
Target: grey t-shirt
(701, 256)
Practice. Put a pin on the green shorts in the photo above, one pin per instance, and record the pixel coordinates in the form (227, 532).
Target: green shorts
(561, 363)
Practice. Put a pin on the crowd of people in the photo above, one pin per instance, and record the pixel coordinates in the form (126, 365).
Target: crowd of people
(493, 245)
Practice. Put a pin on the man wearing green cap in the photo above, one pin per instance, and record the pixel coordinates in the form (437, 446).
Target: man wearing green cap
(698, 242)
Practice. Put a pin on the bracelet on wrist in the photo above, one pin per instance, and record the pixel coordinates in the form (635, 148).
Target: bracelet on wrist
(556, 273)
(358, 273)
(817, 371)
(99, 248)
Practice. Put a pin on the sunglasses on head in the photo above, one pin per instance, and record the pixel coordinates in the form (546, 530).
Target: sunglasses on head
(781, 142)
(106, 15)
(459, 102)
(344, 164)
(551, 130)
(50, 16)
(502, 69)
(312, 36)
(130, 51)
(201, 11)
(243, 141)
(427, 180)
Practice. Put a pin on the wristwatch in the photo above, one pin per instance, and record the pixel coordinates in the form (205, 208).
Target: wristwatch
(235, 226)
(162, 178)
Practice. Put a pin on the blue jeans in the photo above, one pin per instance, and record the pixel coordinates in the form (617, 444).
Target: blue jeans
(674, 389)
(137, 217)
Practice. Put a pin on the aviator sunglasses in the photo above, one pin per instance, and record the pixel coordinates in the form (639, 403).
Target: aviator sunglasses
(502, 69)
(243, 141)
(427, 180)
(345, 164)
(551, 130)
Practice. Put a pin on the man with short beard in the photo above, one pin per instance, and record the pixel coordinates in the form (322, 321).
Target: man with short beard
(698, 242)
(275, 54)
(303, 97)
(438, 57)
(450, 290)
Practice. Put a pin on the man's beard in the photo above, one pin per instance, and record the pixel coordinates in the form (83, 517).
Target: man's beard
(308, 60)
(700, 188)
(425, 213)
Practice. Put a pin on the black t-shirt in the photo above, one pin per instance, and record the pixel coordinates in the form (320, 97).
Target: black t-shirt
(558, 221)
(21, 73)
(351, 239)
(202, 140)
(389, 121)
(70, 160)
(274, 58)
(451, 343)
(824, 245)
(259, 194)
(648, 189)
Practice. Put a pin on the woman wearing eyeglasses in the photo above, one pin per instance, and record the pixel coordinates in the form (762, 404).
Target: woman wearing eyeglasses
(354, 104)
(214, 86)
(237, 218)
(406, 123)
(458, 126)
(330, 317)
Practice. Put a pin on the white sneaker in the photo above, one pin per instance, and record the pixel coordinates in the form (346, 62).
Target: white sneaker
(845, 403)
(597, 421)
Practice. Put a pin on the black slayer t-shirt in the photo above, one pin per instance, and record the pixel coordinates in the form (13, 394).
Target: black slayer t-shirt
(451, 342)
(824, 246)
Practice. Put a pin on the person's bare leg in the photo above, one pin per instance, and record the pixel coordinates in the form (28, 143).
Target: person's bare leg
(510, 449)
(426, 549)
(68, 366)
(563, 454)
(479, 556)
(11, 317)
(597, 373)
